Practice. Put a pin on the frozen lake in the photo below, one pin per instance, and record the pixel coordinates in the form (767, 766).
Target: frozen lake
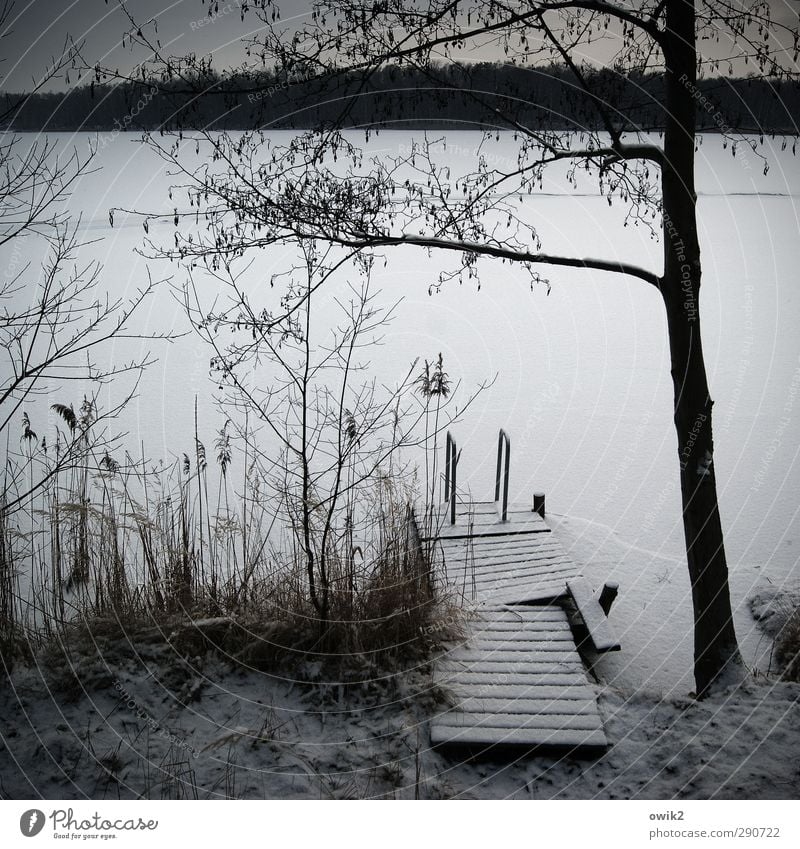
(583, 384)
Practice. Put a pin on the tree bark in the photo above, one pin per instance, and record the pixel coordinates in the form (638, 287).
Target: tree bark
(715, 647)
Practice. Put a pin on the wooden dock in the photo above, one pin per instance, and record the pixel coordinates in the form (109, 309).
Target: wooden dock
(518, 679)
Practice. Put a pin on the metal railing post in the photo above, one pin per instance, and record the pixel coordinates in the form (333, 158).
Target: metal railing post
(451, 461)
(501, 439)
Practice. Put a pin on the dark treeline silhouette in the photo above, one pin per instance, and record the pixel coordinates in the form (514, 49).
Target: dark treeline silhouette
(453, 96)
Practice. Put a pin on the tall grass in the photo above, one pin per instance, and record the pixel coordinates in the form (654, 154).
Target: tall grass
(134, 546)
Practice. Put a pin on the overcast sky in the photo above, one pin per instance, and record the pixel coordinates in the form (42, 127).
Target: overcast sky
(36, 29)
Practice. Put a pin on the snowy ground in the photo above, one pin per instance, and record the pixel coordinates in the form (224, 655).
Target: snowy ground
(147, 721)
(201, 730)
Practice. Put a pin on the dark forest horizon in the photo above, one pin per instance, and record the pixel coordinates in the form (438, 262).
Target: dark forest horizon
(457, 97)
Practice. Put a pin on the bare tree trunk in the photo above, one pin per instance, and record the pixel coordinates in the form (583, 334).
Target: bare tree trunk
(715, 646)
(320, 605)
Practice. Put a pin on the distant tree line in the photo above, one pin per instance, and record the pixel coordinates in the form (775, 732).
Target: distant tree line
(453, 96)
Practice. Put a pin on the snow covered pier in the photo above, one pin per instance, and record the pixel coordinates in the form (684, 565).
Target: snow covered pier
(518, 679)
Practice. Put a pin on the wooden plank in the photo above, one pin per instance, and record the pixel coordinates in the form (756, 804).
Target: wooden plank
(594, 618)
(544, 722)
(510, 647)
(486, 572)
(511, 625)
(475, 678)
(525, 572)
(513, 592)
(533, 634)
(578, 691)
(502, 554)
(542, 661)
(527, 738)
(527, 539)
(532, 540)
(534, 591)
(508, 567)
(529, 638)
(500, 566)
(492, 613)
(509, 629)
(494, 529)
(512, 542)
(481, 518)
(526, 705)
(479, 662)
(505, 562)
(483, 661)
(516, 640)
(521, 639)
(508, 572)
(505, 571)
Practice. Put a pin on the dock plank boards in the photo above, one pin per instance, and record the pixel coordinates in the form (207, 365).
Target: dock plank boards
(518, 679)
(511, 568)
(525, 687)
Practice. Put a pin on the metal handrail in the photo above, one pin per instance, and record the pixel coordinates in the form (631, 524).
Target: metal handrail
(501, 439)
(451, 461)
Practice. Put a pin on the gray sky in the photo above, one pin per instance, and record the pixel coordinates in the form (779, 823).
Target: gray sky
(36, 29)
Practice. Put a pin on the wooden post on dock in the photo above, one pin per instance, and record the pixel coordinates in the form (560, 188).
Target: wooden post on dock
(607, 596)
(538, 503)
